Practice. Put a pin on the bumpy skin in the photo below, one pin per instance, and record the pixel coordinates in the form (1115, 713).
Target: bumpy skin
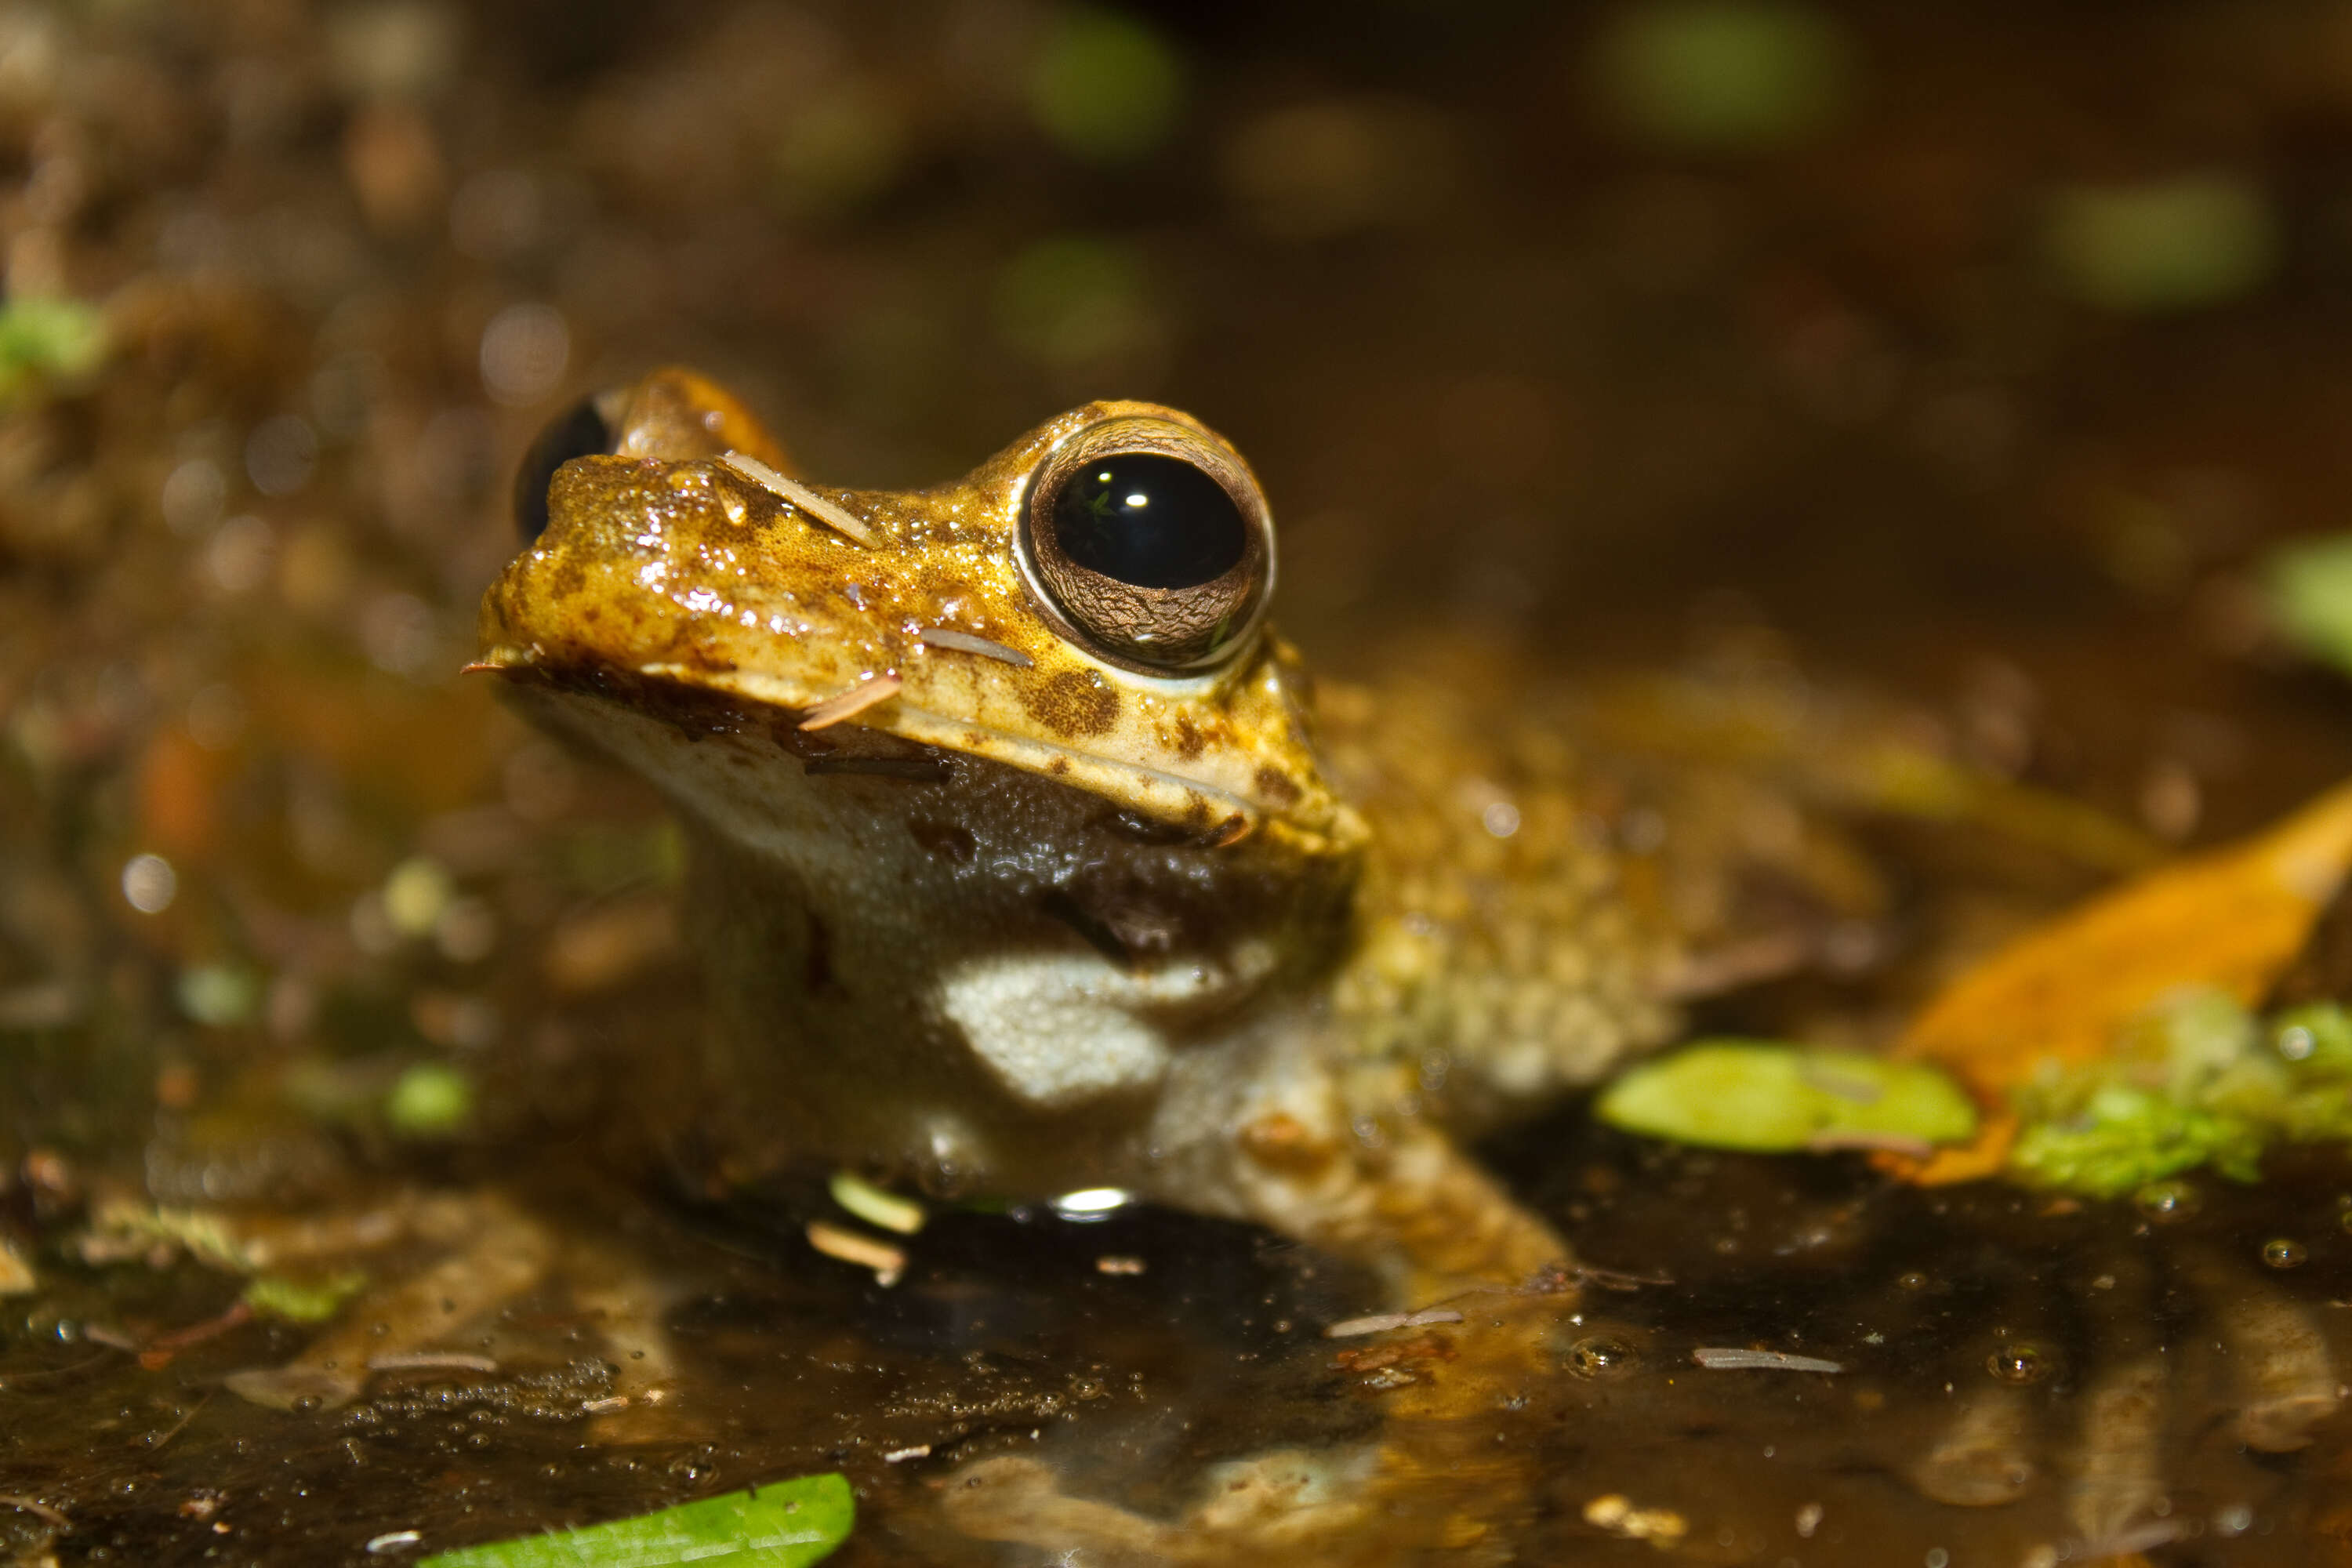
(1037, 921)
(1504, 947)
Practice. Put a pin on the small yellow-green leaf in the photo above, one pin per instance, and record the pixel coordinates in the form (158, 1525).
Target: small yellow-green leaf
(2171, 243)
(46, 339)
(1769, 1098)
(875, 1205)
(301, 1301)
(1106, 86)
(1726, 75)
(2310, 588)
(415, 895)
(783, 1525)
(218, 995)
(431, 1100)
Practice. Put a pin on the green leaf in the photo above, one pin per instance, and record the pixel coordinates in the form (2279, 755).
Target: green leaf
(1723, 75)
(2170, 244)
(2316, 1036)
(1106, 86)
(780, 1525)
(219, 994)
(2310, 587)
(302, 1300)
(45, 340)
(431, 1100)
(875, 1205)
(1770, 1097)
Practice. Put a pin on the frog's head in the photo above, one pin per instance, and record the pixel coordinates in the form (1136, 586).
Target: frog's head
(1012, 758)
(1088, 606)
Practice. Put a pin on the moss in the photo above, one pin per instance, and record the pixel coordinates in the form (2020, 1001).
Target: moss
(2197, 1083)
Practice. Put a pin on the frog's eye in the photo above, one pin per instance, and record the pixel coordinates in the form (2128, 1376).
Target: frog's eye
(577, 432)
(1150, 541)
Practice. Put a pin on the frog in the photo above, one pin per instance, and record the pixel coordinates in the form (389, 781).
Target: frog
(1024, 860)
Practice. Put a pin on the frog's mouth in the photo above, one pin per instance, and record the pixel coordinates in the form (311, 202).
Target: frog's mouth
(1217, 813)
(1210, 813)
(1221, 814)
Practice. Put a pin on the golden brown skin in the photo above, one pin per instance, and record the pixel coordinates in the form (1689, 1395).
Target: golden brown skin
(1039, 918)
(666, 567)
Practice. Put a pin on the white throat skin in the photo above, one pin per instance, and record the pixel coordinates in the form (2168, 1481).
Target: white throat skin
(944, 969)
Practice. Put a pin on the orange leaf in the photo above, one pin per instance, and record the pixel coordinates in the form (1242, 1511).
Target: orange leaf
(2232, 919)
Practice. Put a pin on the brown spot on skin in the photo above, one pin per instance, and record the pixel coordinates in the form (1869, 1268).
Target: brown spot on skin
(1058, 766)
(944, 840)
(1274, 785)
(1189, 741)
(567, 577)
(1073, 702)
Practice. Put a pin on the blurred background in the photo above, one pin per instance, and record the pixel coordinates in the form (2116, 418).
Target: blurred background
(1567, 322)
(1973, 352)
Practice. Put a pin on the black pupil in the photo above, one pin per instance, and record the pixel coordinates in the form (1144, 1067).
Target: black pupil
(575, 433)
(1149, 520)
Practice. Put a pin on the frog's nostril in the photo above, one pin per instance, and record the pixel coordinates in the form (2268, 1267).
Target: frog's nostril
(577, 432)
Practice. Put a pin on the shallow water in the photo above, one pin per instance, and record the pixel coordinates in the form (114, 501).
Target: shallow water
(1005, 1338)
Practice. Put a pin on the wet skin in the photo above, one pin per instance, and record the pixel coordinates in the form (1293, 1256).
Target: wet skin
(1021, 864)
